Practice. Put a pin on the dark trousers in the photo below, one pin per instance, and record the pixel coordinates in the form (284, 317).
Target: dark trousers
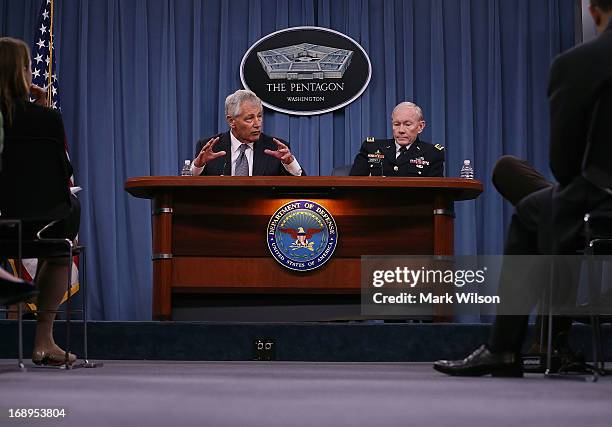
(515, 179)
(530, 233)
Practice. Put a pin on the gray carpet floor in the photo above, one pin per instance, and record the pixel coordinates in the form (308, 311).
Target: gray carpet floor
(275, 394)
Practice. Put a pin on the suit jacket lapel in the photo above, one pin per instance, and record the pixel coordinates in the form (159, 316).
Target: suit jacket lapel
(259, 157)
(224, 144)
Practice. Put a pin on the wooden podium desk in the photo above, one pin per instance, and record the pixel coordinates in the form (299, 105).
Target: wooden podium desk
(209, 233)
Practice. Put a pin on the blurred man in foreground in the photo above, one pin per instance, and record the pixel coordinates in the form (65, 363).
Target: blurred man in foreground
(548, 220)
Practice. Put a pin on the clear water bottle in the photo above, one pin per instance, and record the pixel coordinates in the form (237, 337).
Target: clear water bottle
(467, 171)
(186, 170)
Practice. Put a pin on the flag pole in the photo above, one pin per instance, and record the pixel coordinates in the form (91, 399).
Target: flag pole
(50, 66)
(75, 286)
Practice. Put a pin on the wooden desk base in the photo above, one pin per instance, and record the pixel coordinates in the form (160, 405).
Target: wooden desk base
(209, 233)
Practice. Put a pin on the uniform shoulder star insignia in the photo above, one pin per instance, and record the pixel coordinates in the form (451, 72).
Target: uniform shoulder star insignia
(439, 147)
(370, 139)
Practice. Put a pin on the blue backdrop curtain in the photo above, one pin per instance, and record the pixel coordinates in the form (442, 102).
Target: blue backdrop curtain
(142, 80)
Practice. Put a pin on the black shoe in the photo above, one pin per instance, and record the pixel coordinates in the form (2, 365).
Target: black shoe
(14, 292)
(483, 362)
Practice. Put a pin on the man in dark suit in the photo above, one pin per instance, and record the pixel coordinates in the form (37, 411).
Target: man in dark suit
(549, 220)
(244, 150)
(405, 154)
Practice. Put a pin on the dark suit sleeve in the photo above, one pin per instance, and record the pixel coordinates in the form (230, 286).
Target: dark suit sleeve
(567, 120)
(437, 163)
(360, 164)
(198, 148)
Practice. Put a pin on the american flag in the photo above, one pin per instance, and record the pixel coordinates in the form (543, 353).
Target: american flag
(44, 74)
(43, 55)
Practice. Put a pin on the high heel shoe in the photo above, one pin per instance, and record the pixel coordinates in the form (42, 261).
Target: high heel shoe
(12, 292)
(47, 358)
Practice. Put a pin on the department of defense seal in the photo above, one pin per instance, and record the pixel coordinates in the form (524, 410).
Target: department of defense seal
(302, 235)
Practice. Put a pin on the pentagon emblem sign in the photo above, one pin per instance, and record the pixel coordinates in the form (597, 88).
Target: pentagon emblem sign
(306, 70)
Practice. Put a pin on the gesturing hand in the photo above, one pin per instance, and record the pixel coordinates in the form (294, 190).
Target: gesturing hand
(283, 154)
(206, 153)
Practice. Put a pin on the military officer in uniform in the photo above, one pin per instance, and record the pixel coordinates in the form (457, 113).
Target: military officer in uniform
(405, 154)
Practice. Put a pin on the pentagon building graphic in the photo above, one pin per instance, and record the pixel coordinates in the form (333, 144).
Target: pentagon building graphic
(305, 62)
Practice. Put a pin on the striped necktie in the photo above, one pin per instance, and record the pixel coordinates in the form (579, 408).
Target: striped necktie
(242, 163)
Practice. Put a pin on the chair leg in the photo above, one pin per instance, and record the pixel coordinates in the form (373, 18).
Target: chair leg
(20, 335)
(68, 303)
(549, 348)
(595, 340)
(600, 362)
(541, 317)
(20, 304)
(83, 269)
(596, 270)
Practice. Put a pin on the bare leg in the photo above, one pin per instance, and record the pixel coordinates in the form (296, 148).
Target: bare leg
(52, 279)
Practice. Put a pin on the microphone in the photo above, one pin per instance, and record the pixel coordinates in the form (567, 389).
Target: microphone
(224, 166)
